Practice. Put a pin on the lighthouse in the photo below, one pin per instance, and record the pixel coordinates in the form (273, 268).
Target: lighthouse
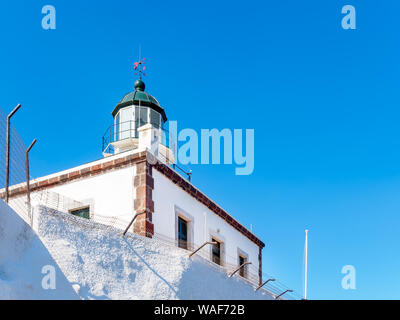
(138, 123)
(137, 188)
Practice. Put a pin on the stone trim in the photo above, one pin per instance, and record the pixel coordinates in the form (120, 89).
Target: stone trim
(78, 174)
(144, 185)
(199, 196)
(181, 213)
(214, 234)
(244, 254)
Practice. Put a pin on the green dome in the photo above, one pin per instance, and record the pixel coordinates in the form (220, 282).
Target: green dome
(143, 97)
(139, 96)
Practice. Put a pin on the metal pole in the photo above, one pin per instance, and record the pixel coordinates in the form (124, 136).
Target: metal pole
(8, 150)
(201, 247)
(283, 294)
(28, 189)
(305, 266)
(134, 218)
(259, 287)
(236, 270)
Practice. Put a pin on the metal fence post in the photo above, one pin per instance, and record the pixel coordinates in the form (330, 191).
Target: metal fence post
(240, 267)
(134, 218)
(28, 189)
(283, 294)
(262, 285)
(8, 151)
(201, 247)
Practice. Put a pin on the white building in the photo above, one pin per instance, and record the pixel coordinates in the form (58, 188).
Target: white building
(136, 176)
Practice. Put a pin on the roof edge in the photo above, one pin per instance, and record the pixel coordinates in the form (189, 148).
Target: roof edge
(178, 180)
(142, 103)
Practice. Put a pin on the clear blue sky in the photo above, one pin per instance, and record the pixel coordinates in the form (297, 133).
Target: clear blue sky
(324, 103)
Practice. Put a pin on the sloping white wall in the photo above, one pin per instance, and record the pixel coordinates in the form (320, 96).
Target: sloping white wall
(92, 261)
(22, 258)
(101, 264)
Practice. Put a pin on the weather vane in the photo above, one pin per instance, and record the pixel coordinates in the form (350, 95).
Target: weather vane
(139, 68)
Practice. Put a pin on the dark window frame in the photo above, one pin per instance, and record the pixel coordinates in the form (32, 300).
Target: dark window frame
(82, 212)
(182, 242)
(242, 260)
(216, 250)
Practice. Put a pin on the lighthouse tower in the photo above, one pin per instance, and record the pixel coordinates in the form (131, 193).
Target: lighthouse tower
(138, 124)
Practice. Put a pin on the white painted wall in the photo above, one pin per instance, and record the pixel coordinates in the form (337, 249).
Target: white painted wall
(169, 199)
(108, 194)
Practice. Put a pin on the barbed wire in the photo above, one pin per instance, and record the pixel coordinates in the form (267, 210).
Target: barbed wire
(17, 164)
(228, 263)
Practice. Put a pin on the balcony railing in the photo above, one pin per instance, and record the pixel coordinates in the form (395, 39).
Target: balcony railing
(128, 130)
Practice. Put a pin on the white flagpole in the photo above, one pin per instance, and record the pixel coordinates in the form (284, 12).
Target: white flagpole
(305, 267)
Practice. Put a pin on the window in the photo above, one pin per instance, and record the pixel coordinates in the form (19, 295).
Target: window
(143, 116)
(82, 212)
(216, 252)
(137, 113)
(183, 226)
(116, 132)
(242, 271)
(155, 118)
(182, 233)
(126, 128)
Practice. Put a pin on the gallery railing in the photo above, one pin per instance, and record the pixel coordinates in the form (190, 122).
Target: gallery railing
(128, 130)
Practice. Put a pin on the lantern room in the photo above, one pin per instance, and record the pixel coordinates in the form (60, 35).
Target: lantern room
(140, 108)
(137, 111)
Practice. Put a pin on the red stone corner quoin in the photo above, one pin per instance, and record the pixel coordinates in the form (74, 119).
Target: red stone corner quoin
(144, 204)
